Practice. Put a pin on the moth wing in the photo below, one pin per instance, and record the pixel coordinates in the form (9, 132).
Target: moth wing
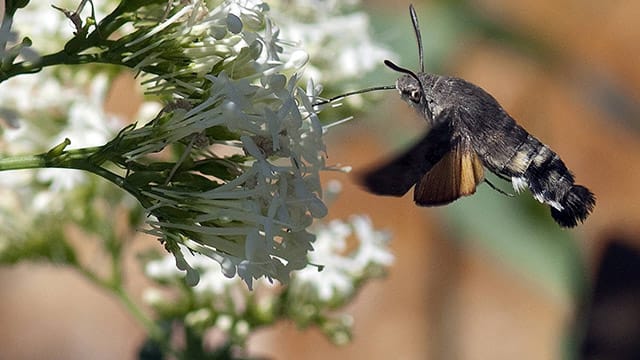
(398, 175)
(457, 174)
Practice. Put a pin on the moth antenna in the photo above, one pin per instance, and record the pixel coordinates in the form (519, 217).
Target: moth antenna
(399, 69)
(416, 28)
(375, 88)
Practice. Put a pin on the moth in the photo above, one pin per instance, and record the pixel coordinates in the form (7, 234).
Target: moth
(468, 132)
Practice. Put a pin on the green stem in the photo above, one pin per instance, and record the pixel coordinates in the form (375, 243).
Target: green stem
(59, 58)
(23, 162)
(72, 159)
(79, 159)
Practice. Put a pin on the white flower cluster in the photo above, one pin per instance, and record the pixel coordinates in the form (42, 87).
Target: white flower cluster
(256, 223)
(321, 25)
(348, 253)
(332, 274)
(339, 268)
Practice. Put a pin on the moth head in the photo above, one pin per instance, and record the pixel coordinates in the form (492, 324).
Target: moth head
(410, 89)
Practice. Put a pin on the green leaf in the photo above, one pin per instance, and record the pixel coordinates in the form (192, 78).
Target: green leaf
(220, 132)
(142, 179)
(194, 182)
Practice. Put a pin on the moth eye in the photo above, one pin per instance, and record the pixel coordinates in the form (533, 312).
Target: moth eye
(415, 96)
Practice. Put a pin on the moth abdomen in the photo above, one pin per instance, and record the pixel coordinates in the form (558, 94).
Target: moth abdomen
(577, 204)
(550, 182)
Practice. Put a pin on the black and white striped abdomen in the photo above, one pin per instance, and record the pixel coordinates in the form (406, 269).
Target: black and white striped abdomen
(535, 166)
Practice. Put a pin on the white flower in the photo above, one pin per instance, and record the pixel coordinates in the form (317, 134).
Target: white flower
(338, 42)
(336, 272)
(212, 279)
(373, 249)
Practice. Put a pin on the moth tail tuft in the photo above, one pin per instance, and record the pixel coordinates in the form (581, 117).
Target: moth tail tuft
(576, 206)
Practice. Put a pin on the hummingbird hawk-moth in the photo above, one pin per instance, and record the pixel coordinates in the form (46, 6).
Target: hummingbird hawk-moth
(469, 131)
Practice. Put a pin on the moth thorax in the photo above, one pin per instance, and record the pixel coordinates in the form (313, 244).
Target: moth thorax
(434, 108)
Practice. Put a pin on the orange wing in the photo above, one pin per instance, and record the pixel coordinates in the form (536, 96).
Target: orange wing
(456, 174)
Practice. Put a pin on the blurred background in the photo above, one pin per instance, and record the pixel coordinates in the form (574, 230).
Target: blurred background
(488, 277)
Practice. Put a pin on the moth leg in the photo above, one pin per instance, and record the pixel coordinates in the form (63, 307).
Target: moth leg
(497, 189)
(502, 177)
